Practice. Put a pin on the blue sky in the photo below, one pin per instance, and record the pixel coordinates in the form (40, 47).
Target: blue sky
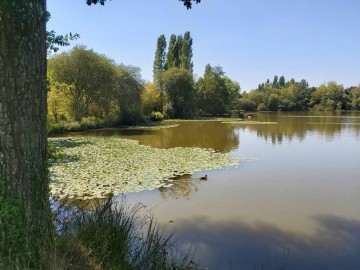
(316, 40)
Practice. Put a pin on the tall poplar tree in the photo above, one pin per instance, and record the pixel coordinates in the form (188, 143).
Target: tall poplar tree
(275, 83)
(178, 51)
(282, 81)
(186, 52)
(170, 56)
(159, 62)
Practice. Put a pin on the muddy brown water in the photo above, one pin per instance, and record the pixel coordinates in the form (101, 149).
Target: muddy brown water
(293, 202)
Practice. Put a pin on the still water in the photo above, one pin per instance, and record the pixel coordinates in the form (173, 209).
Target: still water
(293, 202)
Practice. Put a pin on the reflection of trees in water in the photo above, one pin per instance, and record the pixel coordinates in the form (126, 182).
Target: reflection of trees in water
(195, 134)
(224, 138)
(293, 126)
(239, 245)
(182, 186)
(206, 134)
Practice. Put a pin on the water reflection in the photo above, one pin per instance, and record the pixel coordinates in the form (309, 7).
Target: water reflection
(298, 125)
(225, 137)
(182, 187)
(239, 245)
(188, 134)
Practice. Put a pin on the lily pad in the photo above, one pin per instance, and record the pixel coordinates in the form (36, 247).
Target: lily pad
(96, 167)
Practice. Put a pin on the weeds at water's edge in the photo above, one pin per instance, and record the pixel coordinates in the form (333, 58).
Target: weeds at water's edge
(114, 236)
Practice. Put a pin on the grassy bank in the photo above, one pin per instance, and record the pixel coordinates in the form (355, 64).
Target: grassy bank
(113, 235)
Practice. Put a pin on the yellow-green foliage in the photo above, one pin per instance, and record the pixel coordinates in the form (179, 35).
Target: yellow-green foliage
(150, 99)
(58, 100)
(157, 116)
(330, 96)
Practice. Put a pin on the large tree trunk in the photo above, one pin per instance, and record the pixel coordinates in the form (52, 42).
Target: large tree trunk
(25, 220)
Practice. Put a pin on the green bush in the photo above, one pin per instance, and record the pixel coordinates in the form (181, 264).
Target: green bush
(241, 113)
(56, 128)
(262, 107)
(246, 104)
(90, 122)
(132, 118)
(73, 126)
(157, 116)
(111, 121)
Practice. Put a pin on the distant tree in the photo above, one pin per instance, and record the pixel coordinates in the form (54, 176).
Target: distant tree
(304, 83)
(186, 52)
(128, 90)
(159, 62)
(261, 107)
(355, 97)
(178, 50)
(246, 104)
(151, 99)
(58, 100)
(274, 102)
(330, 96)
(90, 74)
(213, 96)
(177, 84)
(233, 89)
(282, 81)
(170, 56)
(275, 83)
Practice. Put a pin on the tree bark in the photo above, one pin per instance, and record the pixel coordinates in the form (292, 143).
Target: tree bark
(25, 220)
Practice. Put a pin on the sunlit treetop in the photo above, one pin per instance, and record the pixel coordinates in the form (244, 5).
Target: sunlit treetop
(187, 3)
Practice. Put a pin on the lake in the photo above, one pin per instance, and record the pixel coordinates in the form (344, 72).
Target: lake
(293, 201)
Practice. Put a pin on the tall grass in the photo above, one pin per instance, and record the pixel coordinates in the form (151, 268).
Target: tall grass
(115, 236)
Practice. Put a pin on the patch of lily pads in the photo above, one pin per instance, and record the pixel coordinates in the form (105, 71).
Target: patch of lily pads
(249, 123)
(96, 167)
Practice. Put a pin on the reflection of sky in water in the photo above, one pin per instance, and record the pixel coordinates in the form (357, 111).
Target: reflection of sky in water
(297, 186)
(238, 245)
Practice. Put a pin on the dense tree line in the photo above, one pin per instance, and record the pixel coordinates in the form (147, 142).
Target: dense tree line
(297, 96)
(83, 83)
(182, 96)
